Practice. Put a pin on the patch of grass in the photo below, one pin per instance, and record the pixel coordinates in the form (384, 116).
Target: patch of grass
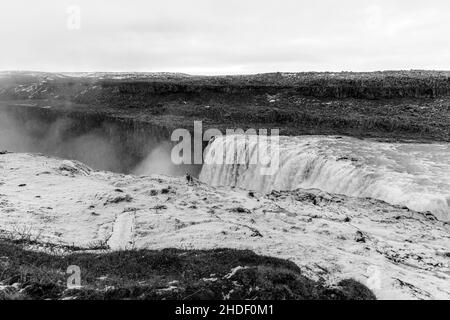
(165, 274)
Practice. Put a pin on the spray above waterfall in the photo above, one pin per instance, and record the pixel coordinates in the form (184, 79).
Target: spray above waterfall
(413, 175)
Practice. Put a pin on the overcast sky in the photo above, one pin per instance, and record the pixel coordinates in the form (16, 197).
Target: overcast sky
(224, 37)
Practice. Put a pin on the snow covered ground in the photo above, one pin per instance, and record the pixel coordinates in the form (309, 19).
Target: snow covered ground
(397, 252)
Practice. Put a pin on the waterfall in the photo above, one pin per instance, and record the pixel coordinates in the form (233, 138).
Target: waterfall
(408, 174)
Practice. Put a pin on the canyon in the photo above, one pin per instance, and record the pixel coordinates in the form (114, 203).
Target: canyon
(361, 191)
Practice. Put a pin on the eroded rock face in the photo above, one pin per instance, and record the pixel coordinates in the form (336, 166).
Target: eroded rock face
(411, 105)
(398, 253)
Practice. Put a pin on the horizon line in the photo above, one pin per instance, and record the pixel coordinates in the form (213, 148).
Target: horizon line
(224, 74)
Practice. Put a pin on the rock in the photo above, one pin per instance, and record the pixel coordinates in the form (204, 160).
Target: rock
(256, 233)
(118, 199)
(74, 168)
(165, 190)
(240, 210)
(159, 207)
(360, 237)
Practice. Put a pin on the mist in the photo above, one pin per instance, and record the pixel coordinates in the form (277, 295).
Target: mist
(35, 136)
(100, 147)
(158, 161)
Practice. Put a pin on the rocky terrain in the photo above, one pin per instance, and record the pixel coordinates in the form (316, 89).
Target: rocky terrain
(409, 105)
(304, 244)
(60, 207)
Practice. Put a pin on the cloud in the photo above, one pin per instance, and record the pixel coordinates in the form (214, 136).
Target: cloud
(209, 36)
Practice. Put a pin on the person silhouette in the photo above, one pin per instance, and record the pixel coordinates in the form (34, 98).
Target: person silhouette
(189, 178)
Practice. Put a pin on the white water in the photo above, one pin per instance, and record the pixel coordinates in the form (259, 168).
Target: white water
(413, 175)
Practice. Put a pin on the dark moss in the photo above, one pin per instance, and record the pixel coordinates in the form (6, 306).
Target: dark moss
(166, 274)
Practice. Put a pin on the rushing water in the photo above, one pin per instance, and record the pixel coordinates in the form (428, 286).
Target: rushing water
(414, 175)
